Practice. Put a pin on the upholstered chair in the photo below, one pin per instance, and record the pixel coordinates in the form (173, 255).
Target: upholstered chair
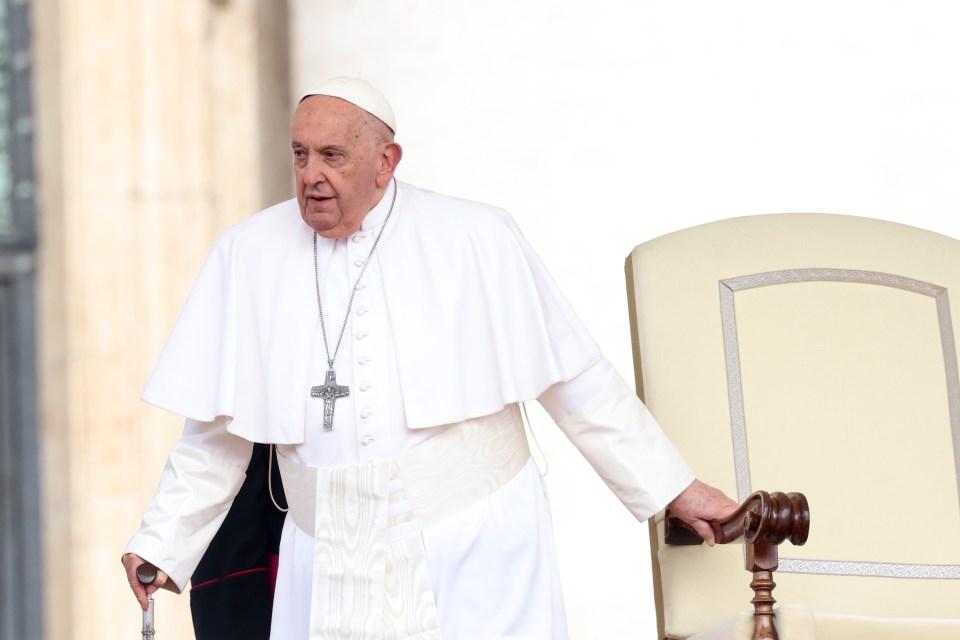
(813, 353)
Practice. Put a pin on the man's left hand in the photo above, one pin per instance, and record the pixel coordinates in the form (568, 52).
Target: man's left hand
(700, 504)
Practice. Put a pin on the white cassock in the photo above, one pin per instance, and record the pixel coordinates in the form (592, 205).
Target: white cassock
(454, 321)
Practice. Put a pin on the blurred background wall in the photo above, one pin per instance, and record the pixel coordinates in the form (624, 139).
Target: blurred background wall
(21, 606)
(158, 123)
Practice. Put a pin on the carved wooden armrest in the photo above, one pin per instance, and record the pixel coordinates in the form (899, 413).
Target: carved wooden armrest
(764, 520)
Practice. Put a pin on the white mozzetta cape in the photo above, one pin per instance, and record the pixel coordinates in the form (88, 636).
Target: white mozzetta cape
(478, 322)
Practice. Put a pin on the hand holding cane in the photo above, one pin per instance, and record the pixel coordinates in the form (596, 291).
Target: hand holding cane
(146, 574)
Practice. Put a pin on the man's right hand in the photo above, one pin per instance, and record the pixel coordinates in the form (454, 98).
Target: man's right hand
(130, 563)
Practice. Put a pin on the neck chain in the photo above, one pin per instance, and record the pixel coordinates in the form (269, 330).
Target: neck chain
(330, 391)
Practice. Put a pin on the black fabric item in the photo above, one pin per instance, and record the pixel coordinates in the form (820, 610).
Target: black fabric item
(231, 596)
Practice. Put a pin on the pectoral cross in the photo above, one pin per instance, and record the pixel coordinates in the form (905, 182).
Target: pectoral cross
(330, 391)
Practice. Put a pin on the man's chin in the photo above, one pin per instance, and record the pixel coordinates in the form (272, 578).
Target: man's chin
(320, 221)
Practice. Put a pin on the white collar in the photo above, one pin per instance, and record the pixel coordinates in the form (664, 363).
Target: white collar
(378, 214)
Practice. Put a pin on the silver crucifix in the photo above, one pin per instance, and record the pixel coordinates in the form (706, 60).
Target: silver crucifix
(330, 391)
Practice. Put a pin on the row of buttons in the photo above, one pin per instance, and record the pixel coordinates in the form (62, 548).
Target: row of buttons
(363, 360)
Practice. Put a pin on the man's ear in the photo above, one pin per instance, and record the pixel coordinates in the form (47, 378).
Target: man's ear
(389, 159)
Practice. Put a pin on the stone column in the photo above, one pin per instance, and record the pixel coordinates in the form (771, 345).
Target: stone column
(159, 124)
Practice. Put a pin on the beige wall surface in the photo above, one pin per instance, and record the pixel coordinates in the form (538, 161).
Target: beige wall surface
(159, 125)
(603, 124)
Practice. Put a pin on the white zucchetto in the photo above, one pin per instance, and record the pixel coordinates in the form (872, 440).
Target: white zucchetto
(359, 93)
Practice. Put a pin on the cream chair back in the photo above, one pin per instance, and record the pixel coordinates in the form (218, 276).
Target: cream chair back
(813, 353)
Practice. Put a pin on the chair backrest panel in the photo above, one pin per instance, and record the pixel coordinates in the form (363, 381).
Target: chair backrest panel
(841, 377)
(813, 353)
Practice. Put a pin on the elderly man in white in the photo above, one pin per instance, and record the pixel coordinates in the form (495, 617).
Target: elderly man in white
(382, 337)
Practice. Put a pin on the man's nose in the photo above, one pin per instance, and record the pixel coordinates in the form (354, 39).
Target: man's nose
(312, 172)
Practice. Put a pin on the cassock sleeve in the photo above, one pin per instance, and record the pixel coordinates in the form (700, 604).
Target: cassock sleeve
(203, 474)
(606, 421)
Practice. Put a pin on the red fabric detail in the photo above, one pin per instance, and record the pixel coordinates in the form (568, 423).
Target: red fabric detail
(273, 563)
(234, 575)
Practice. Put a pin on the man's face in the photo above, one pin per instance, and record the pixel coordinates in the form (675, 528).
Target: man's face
(341, 158)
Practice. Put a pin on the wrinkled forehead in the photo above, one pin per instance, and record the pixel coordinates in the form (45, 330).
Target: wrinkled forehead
(329, 120)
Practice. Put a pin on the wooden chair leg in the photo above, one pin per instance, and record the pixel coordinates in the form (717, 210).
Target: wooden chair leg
(762, 561)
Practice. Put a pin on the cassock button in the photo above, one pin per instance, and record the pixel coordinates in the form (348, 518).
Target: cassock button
(362, 360)
(365, 386)
(366, 413)
(362, 311)
(367, 441)
(361, 286)
(357, 238)
(358, 263)
(361, 335)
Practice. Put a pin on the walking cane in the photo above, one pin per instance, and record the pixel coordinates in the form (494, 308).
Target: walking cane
(146, 574)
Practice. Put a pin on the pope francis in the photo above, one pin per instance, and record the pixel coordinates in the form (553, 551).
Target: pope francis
(381, 338)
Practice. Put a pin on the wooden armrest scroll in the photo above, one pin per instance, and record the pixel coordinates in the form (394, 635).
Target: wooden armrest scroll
(770, 517)
(764, 520)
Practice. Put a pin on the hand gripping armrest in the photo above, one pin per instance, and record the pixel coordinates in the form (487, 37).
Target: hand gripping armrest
(763, 517)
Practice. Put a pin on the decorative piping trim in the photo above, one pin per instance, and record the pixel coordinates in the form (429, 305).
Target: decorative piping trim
(871, 569)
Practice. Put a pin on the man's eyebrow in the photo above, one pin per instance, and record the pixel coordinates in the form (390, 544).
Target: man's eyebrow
(324, 149)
